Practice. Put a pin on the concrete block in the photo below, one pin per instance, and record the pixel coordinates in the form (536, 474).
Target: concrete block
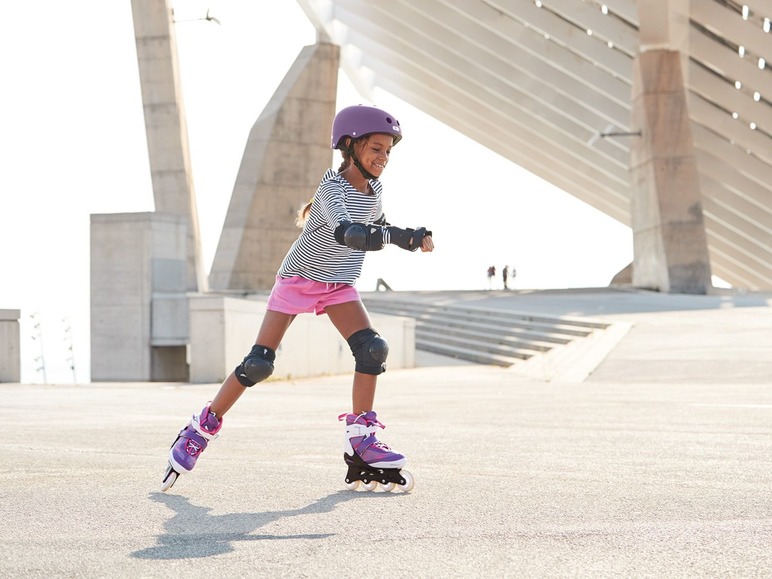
(168, 275)
(223, 330)
(169, 320)
(131, 255)
(10, 346)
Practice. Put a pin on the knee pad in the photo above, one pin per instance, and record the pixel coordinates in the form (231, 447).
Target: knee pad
(256, 366)
(370, 351)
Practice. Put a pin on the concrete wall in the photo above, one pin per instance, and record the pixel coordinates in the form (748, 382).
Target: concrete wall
(10, 346)
(223, 329)
(138, 299)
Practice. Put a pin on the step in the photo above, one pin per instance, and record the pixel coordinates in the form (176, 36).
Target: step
(426, 331)
(464, 354)
(461, 342)
(519, 334)
(485, 336)
(501, 319)
(487, 312)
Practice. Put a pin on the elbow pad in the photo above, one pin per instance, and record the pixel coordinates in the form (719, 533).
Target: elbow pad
(409, 239)
(359, 236)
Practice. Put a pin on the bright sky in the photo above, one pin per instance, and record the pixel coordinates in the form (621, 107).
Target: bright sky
(72, 143)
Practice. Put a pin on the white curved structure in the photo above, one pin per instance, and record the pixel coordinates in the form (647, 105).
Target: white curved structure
(549, 85)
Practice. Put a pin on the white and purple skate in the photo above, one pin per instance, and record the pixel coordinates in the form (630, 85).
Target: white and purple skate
(369, 460)
(190, 443)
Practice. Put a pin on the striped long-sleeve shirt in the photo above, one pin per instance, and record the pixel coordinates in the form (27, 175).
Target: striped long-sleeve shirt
(315, 254)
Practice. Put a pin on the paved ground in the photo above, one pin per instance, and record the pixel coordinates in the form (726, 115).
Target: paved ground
(659, 464)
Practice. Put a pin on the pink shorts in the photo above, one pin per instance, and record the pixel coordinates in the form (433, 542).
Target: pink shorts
(298, 295)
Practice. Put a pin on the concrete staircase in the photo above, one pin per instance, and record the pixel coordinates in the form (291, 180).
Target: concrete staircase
(483, 335)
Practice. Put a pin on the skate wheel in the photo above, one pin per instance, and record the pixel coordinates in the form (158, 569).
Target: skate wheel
(409, 481)
(388, 487)
(353, 485)
(169, 479)
(370, 485)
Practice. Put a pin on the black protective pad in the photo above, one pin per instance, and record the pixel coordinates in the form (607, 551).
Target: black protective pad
(256, 366)
(370, 351)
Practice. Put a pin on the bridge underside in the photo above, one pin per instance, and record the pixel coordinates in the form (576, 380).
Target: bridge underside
(548, 84)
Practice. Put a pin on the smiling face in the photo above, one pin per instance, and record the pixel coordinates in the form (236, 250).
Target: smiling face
(373, 152)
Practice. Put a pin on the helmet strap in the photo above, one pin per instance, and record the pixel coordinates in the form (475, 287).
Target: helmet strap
(365, 173)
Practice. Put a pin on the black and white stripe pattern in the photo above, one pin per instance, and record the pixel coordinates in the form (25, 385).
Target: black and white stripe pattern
(315, 254)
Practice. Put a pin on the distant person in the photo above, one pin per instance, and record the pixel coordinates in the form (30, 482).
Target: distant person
(491, 275)
(504, 274)
(343, 220)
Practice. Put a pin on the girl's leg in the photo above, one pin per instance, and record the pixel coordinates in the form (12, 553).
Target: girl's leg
(271, 332)
(349, 318)
(368, 459)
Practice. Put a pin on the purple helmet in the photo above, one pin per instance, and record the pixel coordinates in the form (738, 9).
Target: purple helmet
(361, 120)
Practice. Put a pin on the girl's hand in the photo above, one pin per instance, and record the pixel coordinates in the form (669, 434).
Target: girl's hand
(427, 244)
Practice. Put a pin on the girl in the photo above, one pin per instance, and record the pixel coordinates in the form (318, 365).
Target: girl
(343, 220)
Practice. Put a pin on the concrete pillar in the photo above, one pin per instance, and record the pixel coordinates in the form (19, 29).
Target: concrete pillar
(165, 125)
(10, 346)
(139, 308)
(286, 154)
(670, 244)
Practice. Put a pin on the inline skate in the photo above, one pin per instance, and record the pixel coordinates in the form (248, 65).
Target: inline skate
(190, 443)
(369, 460)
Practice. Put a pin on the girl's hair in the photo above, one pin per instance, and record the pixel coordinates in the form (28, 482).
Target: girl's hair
(306, 208)
(303, 212)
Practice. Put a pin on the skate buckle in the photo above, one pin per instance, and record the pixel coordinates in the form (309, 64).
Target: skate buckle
(360, 430)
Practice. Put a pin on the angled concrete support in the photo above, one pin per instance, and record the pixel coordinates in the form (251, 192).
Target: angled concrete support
(670, 245)
(165, 125)
(286, 154)
(143, 264)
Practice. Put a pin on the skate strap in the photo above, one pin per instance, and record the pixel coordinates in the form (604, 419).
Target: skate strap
(196, 423)
(194, 436)
(370, 421)
(372, 441)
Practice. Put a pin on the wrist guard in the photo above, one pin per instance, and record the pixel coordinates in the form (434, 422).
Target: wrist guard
(409, 239)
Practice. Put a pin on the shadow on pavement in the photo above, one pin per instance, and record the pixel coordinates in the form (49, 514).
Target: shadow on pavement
(181, 541)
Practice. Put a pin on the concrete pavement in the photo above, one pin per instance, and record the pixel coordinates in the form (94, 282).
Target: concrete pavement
(657, 465)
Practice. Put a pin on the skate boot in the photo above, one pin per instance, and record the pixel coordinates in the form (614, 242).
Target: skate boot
(370, 460)
(190, 443)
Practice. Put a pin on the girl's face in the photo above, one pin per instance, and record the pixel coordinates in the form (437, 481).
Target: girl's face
(374, 153)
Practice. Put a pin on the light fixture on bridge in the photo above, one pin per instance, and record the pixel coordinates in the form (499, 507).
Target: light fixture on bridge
(610, 131)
